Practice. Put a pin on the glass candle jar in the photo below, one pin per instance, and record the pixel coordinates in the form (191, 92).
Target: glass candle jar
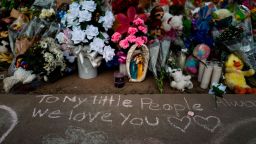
(119, 80)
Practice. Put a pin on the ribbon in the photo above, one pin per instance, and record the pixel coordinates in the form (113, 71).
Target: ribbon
(121, 57)
(84, 52)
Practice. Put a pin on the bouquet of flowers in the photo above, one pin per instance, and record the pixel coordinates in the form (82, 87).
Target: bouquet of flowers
(86, 23)
(136, 34)
(45, 58)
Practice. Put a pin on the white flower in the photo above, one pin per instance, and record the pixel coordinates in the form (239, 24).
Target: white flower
(60, 37)
(106, 37)
(51, 11)
(43, 14)
(78, 36)
(84, 16)
(91, 31)
(71, 20)
(107, 20)
(48, 57)
(108, 53)
(43, 44)
(74, 7)
(89, 5)
(97, 44)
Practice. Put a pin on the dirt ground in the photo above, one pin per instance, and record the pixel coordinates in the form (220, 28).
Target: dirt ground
(103, 83)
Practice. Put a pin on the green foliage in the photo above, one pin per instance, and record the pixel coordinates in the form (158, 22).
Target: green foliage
(160, 80)
(187, 24)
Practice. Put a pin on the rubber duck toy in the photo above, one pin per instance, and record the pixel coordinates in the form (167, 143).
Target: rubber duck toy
(235, 76)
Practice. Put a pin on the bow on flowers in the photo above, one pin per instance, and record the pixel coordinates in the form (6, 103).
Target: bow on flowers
(84, 52)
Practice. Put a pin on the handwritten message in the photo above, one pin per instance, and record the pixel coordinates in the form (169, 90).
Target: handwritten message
(175, 114)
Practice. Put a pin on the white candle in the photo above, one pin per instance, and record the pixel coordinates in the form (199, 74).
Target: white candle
(181, 60)
(217, 71)
(206, 76)
(201, 71)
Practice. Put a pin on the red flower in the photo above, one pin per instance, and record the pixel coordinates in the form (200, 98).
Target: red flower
(178, 2)
(125, 21)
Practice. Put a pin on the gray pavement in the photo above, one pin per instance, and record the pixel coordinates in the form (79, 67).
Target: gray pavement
(127, 119)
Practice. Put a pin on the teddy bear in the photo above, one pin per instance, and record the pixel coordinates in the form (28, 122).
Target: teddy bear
(172, 22)
(180, 81)
(235, 76)
(20, 75)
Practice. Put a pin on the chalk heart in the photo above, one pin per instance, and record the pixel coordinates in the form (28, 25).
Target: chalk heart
(181, 124)
(209, 123)
(12, 119)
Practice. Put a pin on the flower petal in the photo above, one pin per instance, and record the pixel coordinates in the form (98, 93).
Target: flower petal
(131, 12)
(143, 17)
(122, 28)
(122, 19)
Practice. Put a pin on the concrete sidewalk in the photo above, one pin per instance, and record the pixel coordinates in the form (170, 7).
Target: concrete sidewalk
(127, 119)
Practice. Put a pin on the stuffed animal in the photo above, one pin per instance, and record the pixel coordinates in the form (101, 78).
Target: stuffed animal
(235, 77)
(170, 22)
(180, 81)
(3, 47)
(20, 75)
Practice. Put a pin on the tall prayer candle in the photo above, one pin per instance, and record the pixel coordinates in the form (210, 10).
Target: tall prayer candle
(201, 71)
(207, 75)
(217, 71)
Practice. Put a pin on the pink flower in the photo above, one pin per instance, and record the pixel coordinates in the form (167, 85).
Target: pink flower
(145, 39)
(131, 38)
(143, 29)
(139, 41)
(132, 30)
(124, 44)
(123, 21)
(138, 21)
(116, 37)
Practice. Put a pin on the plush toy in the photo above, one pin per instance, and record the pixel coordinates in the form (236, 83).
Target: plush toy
(20, 75)
(154, 22)
(180, 81)
(235, 77)
(3, 47)
(170, 22)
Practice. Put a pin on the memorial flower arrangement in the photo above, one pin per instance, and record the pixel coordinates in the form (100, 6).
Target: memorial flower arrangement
(88, 23)
(45, 59)
(136, 34)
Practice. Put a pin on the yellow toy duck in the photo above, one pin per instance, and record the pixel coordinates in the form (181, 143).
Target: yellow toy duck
(235, 77)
